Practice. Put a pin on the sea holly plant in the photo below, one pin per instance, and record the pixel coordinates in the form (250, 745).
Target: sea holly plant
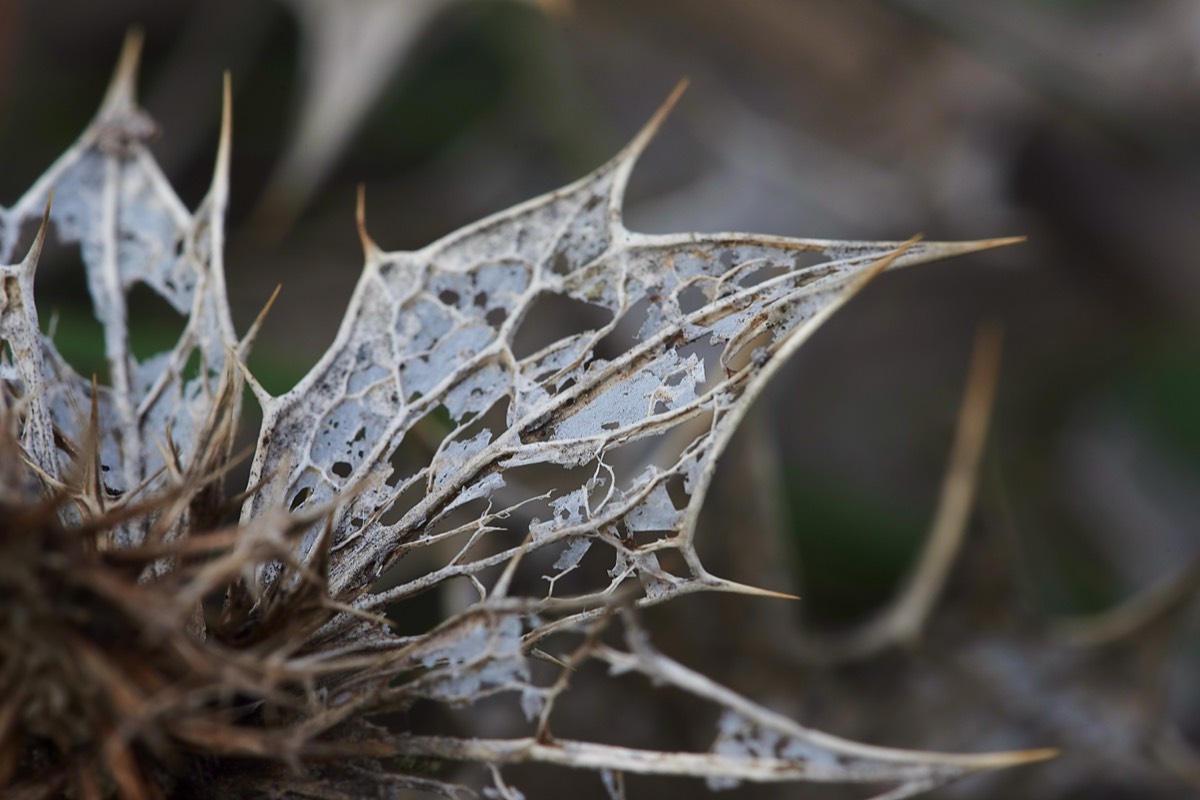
(530, 409)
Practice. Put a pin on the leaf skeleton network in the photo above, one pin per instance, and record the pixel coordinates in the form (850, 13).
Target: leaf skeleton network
(562, 484)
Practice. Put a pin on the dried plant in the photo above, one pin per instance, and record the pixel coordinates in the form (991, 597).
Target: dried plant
(562, 483)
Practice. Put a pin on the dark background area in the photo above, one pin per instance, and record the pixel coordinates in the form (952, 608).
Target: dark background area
(1074, 122)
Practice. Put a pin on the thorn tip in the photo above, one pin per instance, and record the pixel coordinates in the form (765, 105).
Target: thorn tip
(219, 189)
(629, 155)
(370, 249)
(122, 89)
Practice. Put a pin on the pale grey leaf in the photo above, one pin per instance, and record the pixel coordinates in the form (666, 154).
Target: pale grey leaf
(112, 200)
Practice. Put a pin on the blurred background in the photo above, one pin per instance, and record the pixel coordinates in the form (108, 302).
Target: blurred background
(1074, 122)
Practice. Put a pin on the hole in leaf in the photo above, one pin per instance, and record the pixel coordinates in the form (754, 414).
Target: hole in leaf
(404, 502)
(496, 317)
(495, 419)
(749, 350)
(761, 273)
(708, 353)
(191, 367)
(554, 316)
(680, 497)
(692, 299)
(624, 336)
(672, 561)
(64, 304)
(300, 497)
(403, 462)
(575, 567)
(407, 459)
(461, 517)
(154, 325)
(415, 615)
(412, 454)
(561, 265)
(342, 469)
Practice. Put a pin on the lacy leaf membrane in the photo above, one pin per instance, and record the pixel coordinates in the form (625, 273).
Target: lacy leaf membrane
(531, 407)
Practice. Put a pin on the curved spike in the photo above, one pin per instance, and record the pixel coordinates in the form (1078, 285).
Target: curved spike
(264, 398)
(903, 619)
(371, 250)
(1136, 615)
(218, 191)
(121, 95)
(631, 152)
(934, 251)
(716, 584)
(247, 341)
(911, 608)
(30, 262)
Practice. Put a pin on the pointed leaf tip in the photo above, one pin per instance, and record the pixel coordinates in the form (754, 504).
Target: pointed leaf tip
(936, 250)
(660, 115)
(883, 263)
(122, 89)
(1012, 758)
(264, 398)
(29, 263)
(632, 151)
(980, 245)
(45, 223)
(733, 587)
(220, 182)
(247, 341)
(370, 249)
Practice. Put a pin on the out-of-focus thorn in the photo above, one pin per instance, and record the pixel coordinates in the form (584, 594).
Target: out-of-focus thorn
(1137, 615)
(733, 587)
(370, 249)
(264, 398)
(350, 50)
(219, 188)
(29, 263)
(627, 158)
(924, 252)
(247, 342)
(903, 619)
(924, 585)
(544, 656)
(122, 89)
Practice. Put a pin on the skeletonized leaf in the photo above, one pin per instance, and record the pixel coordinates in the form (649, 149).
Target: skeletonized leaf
(752, 743)
(574, 463)
(112, 199)
(673, 336)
